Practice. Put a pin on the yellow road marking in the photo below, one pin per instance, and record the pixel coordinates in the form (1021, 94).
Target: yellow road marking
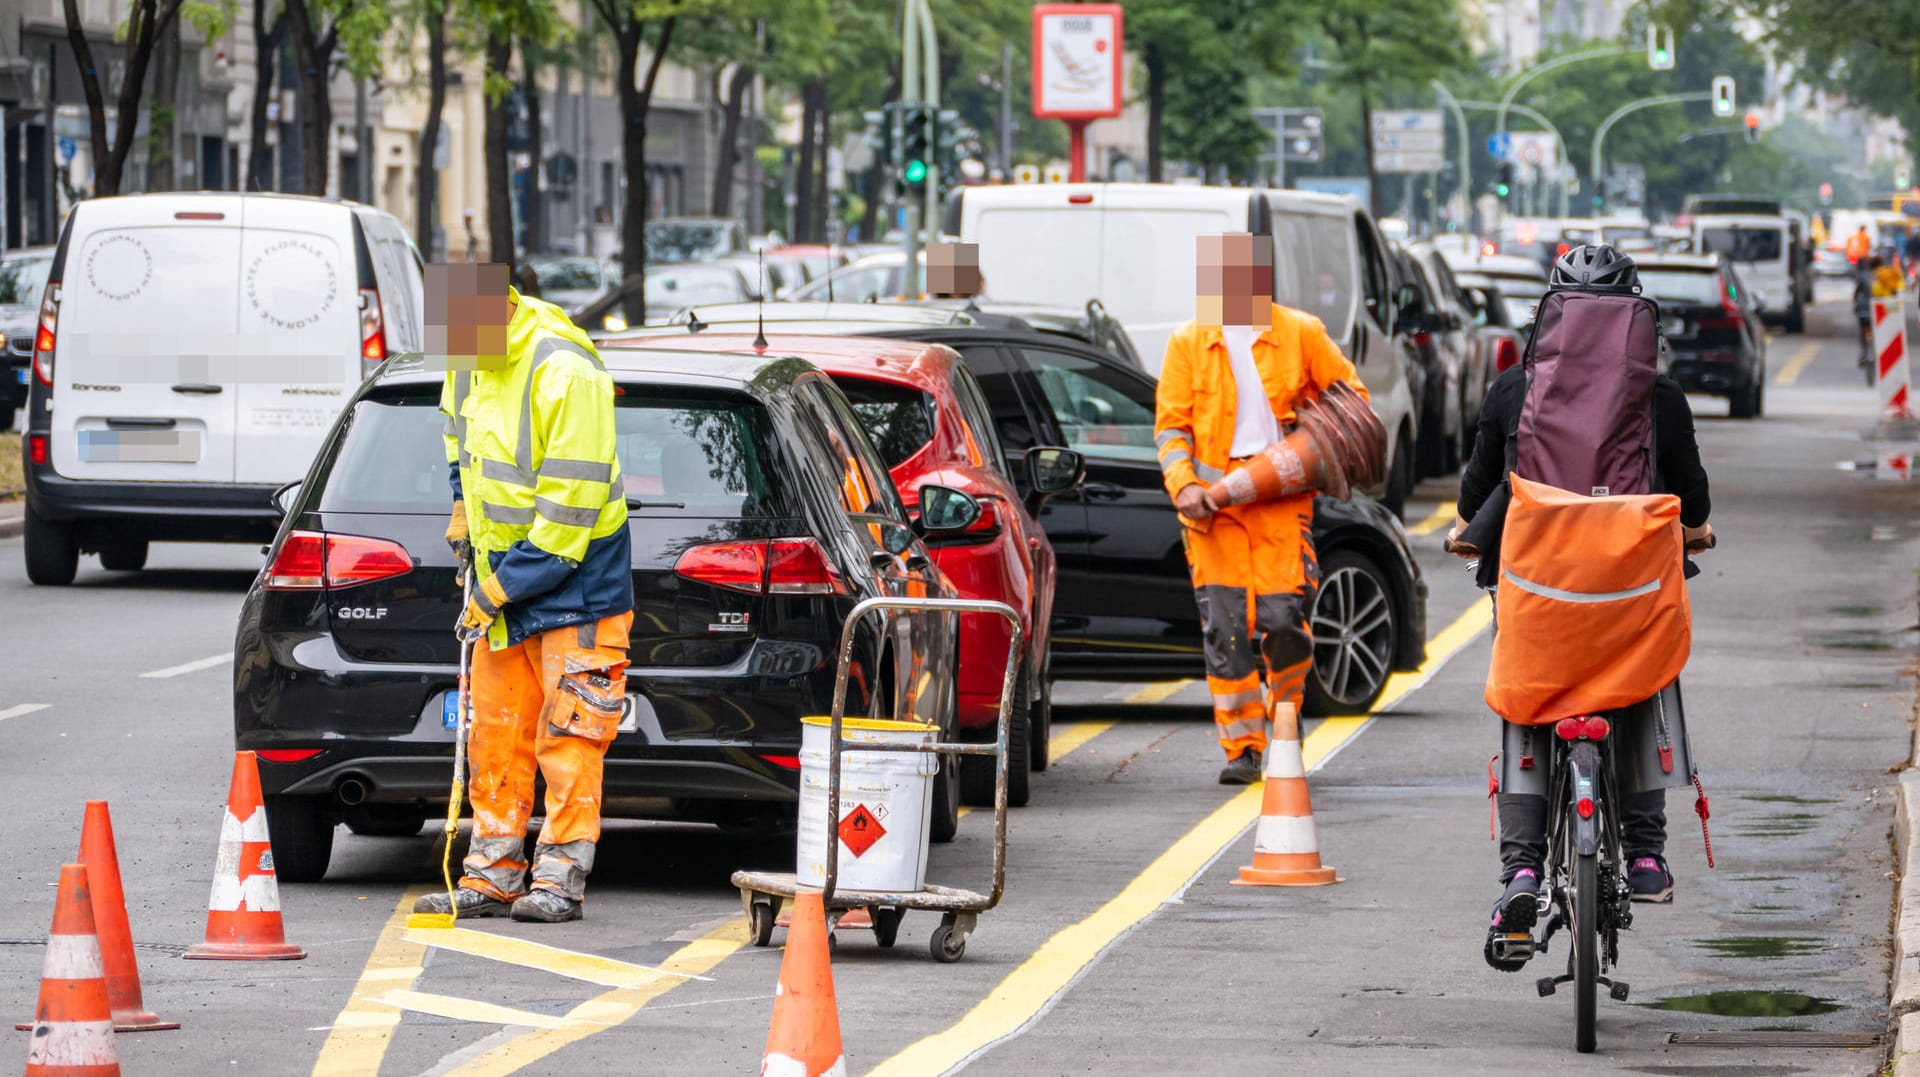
(506, 949)
(1065, 739)
(1797, 365)
(1159, 691)
(604, 1011)
(467, 1009)
(1441, 516)
(358, 1039)
(1027, 990)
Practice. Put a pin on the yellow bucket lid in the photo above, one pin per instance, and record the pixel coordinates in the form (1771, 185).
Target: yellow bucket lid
(869, 725)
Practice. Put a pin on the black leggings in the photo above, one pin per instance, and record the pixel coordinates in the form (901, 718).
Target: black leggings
(1523, 829)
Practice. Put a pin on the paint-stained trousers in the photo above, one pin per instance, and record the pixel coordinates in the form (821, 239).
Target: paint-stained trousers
(1254, 570)
(553, 700)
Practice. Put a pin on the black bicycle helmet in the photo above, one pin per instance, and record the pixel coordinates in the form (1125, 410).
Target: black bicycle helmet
(1593, 267)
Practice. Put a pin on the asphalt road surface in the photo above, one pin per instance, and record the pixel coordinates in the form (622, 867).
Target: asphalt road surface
(1119, 948)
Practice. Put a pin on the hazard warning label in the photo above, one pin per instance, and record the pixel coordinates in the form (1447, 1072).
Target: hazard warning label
(859, 830)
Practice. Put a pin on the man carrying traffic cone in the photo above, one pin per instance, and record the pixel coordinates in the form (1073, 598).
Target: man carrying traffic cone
(72, 1023)
(804, 1038)
(1229, 387)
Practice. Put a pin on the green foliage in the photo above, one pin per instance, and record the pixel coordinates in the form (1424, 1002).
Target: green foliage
(1868, 50)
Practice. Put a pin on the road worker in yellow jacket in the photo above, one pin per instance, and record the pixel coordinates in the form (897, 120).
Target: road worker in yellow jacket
(1228, 388)
(538, 499)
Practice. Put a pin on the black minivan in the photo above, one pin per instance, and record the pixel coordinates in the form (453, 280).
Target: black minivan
(743, 476)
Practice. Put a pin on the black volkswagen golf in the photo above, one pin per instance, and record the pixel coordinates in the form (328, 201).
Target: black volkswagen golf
(744, 478)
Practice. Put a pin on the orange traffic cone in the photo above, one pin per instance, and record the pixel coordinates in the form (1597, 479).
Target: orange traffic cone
(1285, 850)
(72, 1024)
(804, 1039)
(243, 912)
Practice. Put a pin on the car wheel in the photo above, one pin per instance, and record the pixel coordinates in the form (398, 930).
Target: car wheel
(7, 409)
(1744, 403)
(943, 821)
(976, 771)
(52, 555)
(1399, 477)
(1431, 459)
(1797, 318)
(1041, 717)
(302, 836)
(384, 820)
(124, 557)
(1354, 635)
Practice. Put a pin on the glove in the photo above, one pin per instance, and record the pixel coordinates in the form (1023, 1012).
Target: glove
(457, 527)
(482, 608)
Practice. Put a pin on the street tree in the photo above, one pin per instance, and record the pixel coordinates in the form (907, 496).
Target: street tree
(271, 25)
(1868, 50)
(354, 31)
(146, 23)
(1191, 53)
(503, 22)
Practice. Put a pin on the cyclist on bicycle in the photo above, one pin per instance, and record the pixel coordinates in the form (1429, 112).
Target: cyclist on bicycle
(1524, 815)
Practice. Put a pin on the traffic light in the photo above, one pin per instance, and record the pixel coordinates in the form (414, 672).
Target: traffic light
(916, 149)
(1503, 179)
(947, 135)
(1659, 47)
(1753, 127)
(1723, 95)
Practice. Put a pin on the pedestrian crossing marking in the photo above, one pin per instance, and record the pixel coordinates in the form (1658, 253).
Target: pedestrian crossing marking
(466, 1009)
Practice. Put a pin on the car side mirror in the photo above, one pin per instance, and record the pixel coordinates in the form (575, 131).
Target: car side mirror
(1051, 470)
(897, 540)
(943, 508)
(1407, 297)
(283, 497)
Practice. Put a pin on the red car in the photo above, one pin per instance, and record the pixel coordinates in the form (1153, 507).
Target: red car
(925, 413)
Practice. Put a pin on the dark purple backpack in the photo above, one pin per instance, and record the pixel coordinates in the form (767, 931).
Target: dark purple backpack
(1587, 421)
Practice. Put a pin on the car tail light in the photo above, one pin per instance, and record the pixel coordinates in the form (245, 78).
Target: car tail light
(790, 762)
(44, 337)
(287, 755)
(1719, 357)
(1423, 339)
(737, 566)
(313, 561)
(37, 449)
(1489, 249)
(1561, 249)
(373, 330)
(1506, 354)
(798, 566)
(1584, 806)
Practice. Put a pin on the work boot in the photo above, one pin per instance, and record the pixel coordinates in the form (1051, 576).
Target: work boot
(546, 907)
(1243, 769)
(1650, 880)
(1514, 914)
(465, 902)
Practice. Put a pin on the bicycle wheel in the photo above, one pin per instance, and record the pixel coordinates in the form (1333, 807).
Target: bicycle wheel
(1585, 955)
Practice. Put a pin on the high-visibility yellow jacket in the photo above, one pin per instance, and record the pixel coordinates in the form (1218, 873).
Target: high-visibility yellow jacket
(532, 454)
(1197, 398)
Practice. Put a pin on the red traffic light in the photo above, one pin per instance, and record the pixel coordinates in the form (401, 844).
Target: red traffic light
(1826, 190)
(1753, 120)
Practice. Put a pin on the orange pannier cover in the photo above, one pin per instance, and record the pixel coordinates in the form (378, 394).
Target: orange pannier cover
(1592, 611)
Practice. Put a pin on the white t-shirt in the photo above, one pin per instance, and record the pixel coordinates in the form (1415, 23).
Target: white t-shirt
(1254, 427)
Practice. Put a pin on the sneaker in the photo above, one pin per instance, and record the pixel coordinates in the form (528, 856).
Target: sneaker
(1513, 914)
(1650, 880)
(1243, 769)
(547, 907)
(465, 902)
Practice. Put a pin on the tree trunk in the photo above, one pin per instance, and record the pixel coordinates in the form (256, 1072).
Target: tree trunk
(426, 182)
(822, 195)
(267, 40)
(146, 21)
(312, 56)
(103, 183)
(535, 213)
(163, 117)
(636, 97)
(870, 219)
(500, 243)
(801, 222)
(731, 105)
(1156, 106)
(1366, 143)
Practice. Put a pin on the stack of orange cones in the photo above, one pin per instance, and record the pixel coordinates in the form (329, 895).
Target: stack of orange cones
(1286, 851)
(243, 912)
(72, 1023)
(804, 1039)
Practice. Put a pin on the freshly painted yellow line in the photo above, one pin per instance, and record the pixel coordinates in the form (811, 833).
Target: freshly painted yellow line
(597, 1014)
(358, 1039)
(467, 1009)
(1441, 516)
(1027, 990)
(506, 949)
(1797, 365)
(1066, 738)
(1158, 692)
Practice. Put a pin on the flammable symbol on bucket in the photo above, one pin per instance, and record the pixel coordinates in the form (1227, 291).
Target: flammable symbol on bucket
(859, 830)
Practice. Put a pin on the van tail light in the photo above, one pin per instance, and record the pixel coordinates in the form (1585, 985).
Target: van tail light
(798, 566)
(1506, 354)
(37, 449)
(43, 338)
(373, 329)
(316, 561)
(785, 566)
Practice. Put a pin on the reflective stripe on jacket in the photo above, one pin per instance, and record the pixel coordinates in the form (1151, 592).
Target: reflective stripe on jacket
(1196, 399)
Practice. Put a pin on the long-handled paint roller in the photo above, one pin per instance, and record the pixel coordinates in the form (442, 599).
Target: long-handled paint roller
(463, 709)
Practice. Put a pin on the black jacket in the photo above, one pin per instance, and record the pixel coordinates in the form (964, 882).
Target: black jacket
(1677, 455)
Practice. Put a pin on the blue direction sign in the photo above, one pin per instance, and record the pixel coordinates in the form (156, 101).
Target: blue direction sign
(1500, 145)
(67, 148)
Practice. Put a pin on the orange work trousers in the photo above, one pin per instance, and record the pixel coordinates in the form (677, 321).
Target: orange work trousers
(553, 700)
(1254, 570)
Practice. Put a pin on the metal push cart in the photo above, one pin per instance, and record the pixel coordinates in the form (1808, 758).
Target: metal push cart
(763, 892)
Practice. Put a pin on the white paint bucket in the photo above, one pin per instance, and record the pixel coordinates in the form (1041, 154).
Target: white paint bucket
(884, 799)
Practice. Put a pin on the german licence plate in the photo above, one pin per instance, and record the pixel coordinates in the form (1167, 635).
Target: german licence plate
(139, 446)
(629, 715)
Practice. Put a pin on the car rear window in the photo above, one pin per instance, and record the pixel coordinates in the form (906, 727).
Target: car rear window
(1681, 285)
(1742, 244)
(698, 455)
(898, 419)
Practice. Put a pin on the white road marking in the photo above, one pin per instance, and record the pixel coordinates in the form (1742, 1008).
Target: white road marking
(22, 709)
(191, 667)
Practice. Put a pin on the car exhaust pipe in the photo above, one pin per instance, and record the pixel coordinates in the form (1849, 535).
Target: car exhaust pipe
(352, 791)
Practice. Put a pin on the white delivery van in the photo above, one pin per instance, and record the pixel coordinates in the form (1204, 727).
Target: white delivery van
(1763, 250)
(191, 352)
(1132, 246)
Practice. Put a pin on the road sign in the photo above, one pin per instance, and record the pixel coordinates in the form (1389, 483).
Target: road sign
(1537, 148)
(1057, 173)
(1026, 174)
(68, 147)
(1077, 73)
(1500, 146)
(1409, 140)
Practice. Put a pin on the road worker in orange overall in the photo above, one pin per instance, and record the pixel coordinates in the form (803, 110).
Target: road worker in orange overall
(1229, 385)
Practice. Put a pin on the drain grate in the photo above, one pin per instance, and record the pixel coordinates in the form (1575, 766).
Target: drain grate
(1774, 1039)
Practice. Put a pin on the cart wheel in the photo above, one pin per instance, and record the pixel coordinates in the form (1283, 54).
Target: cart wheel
(947, 944)
(886, 926)
(833, 940)
(761, 923)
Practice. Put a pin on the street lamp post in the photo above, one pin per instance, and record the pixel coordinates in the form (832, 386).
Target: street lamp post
(1600, 133)
(920, 82)
(1466, 151)
(1527, 114)
(1554, 64)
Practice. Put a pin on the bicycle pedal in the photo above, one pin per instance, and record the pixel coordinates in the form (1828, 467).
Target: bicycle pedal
(1619, 991)
(1544, 985)
(1518, 947)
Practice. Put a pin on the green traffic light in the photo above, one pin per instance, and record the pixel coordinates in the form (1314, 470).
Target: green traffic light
(1660, 57)
(1501, 189)
(915, 172)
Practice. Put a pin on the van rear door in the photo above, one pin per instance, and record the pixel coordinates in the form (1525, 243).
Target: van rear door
(148, 307)
(299, 333)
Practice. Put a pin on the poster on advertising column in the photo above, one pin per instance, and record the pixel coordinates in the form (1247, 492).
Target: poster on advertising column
(1076, 61)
